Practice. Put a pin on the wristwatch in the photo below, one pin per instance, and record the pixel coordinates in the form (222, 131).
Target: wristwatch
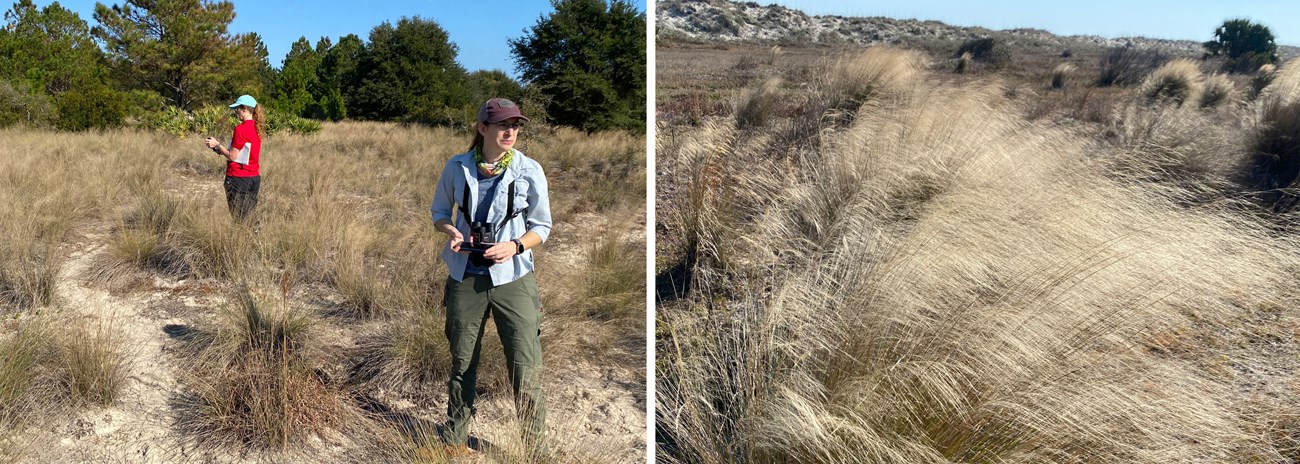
(519, 247)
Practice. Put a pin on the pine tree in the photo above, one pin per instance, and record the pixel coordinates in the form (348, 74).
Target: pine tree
(50, 48)
(178, 48)
(297, 78)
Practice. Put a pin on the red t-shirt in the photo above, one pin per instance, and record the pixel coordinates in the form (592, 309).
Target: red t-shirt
(245, 137)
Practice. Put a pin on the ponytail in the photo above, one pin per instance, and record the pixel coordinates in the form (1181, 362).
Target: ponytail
(258, 118)
(478, 138)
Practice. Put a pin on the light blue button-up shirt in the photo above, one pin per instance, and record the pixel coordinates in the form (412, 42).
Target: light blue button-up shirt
(530, 192)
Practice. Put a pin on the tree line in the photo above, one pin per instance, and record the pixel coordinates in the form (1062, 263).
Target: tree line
(584, 65)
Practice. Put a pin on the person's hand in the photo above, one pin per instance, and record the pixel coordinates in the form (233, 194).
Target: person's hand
(454, 238)
(501, 252)
(211, 142)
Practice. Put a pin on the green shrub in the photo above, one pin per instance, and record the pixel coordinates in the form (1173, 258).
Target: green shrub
(171, 120)
(87, 108)
(18, 104)
(219, 121)
(977, 48)
(213, 120)
(986, 50)
(1247, 45)
(333, 106)
(277, 121)
(144, 102)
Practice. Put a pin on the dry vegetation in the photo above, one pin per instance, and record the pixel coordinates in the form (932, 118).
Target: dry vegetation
(132, 301)
(986, 267)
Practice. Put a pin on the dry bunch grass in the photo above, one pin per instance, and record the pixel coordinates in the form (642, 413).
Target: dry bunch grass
(1263, 77)
(613, 281)
(1217, 90)
(1177, 81)
(50, 364)
(1060, 73)
(1284, 83)
(343, 225)
(1273, 162)
(42, 207)
(759, 106)
(255, 378)
(603, 175)
(949, 283)
(963, 63)
(877, 73)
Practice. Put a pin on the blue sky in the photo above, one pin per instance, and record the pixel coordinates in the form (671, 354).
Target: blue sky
(480, 30)
(1167, 19)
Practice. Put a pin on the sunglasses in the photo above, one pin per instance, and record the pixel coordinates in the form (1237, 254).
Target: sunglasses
(508, 126)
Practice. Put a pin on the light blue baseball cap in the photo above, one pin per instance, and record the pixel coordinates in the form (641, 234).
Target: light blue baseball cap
(245, 100)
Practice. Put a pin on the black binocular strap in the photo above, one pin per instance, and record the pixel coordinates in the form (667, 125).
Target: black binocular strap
(510, 204)
(464, 200)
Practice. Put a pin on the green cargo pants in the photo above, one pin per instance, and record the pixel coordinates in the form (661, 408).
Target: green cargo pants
(516, 309)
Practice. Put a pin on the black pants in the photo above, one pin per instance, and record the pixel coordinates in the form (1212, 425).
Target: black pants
(241, 195)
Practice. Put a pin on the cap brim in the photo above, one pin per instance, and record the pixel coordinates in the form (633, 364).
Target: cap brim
(498, 120)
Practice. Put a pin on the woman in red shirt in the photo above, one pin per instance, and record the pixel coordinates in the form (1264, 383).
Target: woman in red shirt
(242, 156)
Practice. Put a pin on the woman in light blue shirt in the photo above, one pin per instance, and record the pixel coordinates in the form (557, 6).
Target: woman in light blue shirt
(493, 205)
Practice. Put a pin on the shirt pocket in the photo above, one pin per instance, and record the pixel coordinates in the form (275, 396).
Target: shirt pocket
(521, 196)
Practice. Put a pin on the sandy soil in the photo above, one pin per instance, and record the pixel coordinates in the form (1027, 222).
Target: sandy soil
(600, 411)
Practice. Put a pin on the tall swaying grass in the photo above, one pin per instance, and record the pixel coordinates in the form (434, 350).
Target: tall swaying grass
(342, 250)
(949, 283)
(610, 284)
(93, 363)
(41, 207)
(412, 354)
(1283, 85)
(605, 174)
(875, 74)
(758, 107)
(1122, 66)
(1263, 77)
(24, 351)
(51, 362)
(1274, 161)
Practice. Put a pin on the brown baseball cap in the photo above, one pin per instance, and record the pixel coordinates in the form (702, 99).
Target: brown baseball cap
(499, 109)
